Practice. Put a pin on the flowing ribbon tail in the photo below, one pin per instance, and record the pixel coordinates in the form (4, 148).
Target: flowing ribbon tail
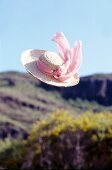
(76, 56)
(63, 45)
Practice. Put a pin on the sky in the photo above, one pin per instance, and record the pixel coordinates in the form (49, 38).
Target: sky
(31, 24)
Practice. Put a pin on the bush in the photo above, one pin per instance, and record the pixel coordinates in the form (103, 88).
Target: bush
(62, 141)
(66, 142)
(12, 153)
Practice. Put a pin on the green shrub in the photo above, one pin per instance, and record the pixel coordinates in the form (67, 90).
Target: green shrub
(12, 153)
(67, 142)
(62, 141)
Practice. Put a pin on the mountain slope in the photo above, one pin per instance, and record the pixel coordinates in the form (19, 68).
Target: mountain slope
(96, 88)
(23, 100)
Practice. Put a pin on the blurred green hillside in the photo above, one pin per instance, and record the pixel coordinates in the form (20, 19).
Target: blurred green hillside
(23, 100)
(46, 127)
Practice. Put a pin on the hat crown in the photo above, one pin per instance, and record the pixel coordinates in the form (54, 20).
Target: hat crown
(51, 59)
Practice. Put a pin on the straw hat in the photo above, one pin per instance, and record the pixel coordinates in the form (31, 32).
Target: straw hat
(52, 68)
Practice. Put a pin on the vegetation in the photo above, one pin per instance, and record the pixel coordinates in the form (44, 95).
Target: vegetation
(63, 141)
(77, 136)
(21, 95)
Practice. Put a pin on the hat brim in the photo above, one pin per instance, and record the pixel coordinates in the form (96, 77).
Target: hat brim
(29, 60)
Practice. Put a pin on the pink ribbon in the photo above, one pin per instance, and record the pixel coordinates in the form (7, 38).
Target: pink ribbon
(72, 60)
